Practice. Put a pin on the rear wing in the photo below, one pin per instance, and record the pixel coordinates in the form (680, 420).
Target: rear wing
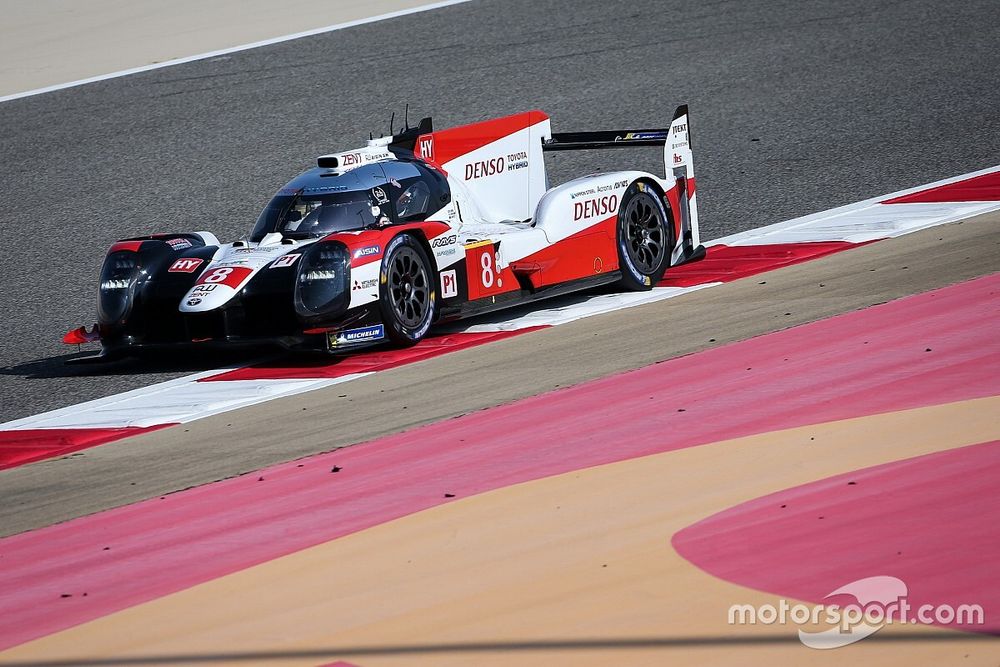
(675, 140)
(678, 164)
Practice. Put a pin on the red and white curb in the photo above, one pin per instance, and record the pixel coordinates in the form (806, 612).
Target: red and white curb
(887, 216)
(213, 392)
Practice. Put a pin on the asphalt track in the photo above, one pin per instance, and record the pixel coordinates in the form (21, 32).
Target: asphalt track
(797, 107)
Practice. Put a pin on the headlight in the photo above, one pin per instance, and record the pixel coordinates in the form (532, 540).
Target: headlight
(118, 277)
(322, 286)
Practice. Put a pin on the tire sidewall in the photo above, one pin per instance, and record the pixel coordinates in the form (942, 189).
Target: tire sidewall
(632, 277)
(394, 330)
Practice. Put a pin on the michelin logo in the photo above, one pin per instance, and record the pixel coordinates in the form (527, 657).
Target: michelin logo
(376, 332)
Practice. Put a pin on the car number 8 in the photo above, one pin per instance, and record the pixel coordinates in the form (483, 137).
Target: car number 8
(218, 275)
(487, 264)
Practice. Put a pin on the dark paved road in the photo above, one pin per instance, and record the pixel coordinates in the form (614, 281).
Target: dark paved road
(797, 106)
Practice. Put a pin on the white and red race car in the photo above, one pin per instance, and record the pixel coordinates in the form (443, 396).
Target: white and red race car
(379, 243)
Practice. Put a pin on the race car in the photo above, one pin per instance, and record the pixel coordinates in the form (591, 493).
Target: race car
(377, 244)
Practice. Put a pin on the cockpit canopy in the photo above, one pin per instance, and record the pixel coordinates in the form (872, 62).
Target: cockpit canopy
(321, 201)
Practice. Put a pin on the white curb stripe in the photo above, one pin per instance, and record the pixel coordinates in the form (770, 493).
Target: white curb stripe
(174, 402)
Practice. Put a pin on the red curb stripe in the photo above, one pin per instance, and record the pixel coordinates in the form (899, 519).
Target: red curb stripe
(26, 446)
(724, 263)
(980, 188)
(365, 361)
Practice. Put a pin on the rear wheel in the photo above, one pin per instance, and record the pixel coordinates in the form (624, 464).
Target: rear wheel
(406, 291)
(645, 238)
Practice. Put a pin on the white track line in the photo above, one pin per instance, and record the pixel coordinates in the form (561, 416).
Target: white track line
(185, 399)
(235, 49)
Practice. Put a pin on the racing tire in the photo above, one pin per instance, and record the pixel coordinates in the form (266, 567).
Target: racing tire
(407, 299)
(645, 238)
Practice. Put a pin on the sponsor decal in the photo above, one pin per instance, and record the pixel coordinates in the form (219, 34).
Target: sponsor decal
(185, 265)
(582, 193)
(427, 147)
(376, 332)
(449, 284)
(680, 128)
(325, 188)
(360, 157)
(286, 260)
(592, 208)
(379, 195)
(446, 253)
(442, 241)
(367, 251)
(640, 136)
(202, 290)
(678, 159)
(193, 302)
(484, 168)
(517, 161)
(679, 144)
(349, 159)
(179, 244)
(365, 284)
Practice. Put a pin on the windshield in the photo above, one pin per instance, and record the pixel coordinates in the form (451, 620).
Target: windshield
(302, 216)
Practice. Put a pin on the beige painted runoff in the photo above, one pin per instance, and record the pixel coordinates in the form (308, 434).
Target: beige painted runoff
(579, 558)
(51, 42)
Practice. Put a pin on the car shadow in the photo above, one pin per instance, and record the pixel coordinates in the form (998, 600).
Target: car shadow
(187, 360)
(167, 362)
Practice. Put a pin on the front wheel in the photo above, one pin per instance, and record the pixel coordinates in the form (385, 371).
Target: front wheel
(645, 238)
(406, 291)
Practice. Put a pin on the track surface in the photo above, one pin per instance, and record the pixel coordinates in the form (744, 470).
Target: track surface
(784, 115)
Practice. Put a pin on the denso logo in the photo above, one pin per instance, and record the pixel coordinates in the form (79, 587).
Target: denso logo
(592, 208)
(442, 241)
(484, 168)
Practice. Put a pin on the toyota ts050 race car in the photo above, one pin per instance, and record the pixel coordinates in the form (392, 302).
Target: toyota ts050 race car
(379, 243)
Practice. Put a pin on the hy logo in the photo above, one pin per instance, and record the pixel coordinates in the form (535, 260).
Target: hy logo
(427, 148)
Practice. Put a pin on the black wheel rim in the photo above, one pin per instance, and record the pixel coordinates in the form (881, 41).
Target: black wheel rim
(644, 234)
(408, 288)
